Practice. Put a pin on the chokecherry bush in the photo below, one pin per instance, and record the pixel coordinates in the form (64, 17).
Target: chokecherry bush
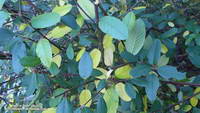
(99, 56)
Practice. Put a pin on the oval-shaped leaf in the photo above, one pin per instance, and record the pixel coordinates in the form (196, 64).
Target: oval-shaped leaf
(85, 66)
(123, 72)
(62, 10)
(70, 52)
(112, 100)
(88, 8)
(120, 89)
(44, 52)
(45, 20)
(114, 27)
(136, 38)
(64, 107)
(154, 52)
(96, 57)
(170, 72)
(85, 98)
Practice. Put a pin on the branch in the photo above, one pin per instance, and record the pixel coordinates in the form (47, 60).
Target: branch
(12, 79)
(181, 83)
(178, 103)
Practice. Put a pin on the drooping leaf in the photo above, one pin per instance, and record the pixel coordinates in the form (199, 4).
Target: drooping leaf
(152, 87)
(70, 52)
(64, 107)
(120, 89)
(85, 98)
(45, 20)
(85, 66)
(62, 10)
(112, 100)
(32, 84)
(154, 52)
(44, 52)
(168, 72)
(136, 37)
(114, 27)
(123, 72)
(88, 7)
(96, 57)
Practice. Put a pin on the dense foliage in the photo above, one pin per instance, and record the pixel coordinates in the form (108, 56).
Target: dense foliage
(100, 56)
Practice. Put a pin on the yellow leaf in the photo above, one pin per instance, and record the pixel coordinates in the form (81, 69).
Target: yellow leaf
(62, 10)
(55, 50)
(85, 98)
(186, 33)
(107, 42)
(144, 99)
(80, 53)
(197, 90)
(140, 7)
(121, 47)
(120, 89)
(123, 72)
(57, 59)
(177, 107)
(164, 49)
(194, 101)
(104, 73)
(80, 20)
(59, 31)
(96, 57)
(108, 56)
(175, 40)
(50, 110)
(22, 26)
(163, 61)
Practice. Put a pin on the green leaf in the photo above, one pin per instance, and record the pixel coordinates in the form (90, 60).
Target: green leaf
(114, 27)
(3, 16)
(101, 106)
(45, 20)
(6, 36)
(85, 66)
(140, 70)
(30, 61)
(152, 87)
(136, 38)
(1, 3)
(129, 20)
(70, 52)
(88, 7)
(169, 33)
(32, 84)
(194, 55)
(64, 107)
(168, 72)
(54, 70)
(130, 90)
(18, 52)
(62, 10)
(44, 52)
(154, 52)
(112, 100)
